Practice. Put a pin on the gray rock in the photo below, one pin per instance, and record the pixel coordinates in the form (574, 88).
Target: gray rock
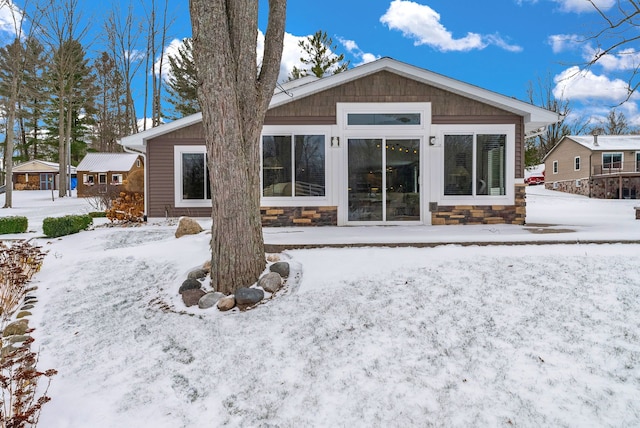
(192, 297)
(248, 296)
(189, 284)
(226, 303)
(270, 282)
(197, 274)
(209, 300)
(188, 226)
(280, 267)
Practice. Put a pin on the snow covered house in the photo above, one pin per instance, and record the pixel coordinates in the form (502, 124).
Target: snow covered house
(382, 143)
(101, 173)
(37, 175)
(598, 166)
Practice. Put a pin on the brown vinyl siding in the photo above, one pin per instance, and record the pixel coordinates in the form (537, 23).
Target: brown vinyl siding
(384, 86)
(161, 174)
(320, 109)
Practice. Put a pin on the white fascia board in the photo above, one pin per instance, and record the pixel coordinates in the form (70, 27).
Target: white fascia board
(138, 142)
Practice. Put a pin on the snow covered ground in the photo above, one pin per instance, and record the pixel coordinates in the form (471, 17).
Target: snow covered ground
(500, 335)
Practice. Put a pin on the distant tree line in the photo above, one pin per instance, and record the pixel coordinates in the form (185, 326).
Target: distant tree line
(58, 102)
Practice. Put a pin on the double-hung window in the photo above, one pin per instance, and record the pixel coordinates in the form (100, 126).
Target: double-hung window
(192, 186)
(293, 165)
(475, 164)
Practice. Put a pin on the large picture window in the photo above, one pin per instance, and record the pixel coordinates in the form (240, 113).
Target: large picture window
(475, 164)
(293, 165)
(192, 186)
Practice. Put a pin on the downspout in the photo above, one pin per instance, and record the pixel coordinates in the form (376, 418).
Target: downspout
(146, 192)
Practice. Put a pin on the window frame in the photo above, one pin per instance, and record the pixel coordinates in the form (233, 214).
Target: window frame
(576, 163)
(292, 131)
(638, 161)
(612, 161)
(117, 182)
(509, 164)
(555, 167)
(178, 152)
(86, 181)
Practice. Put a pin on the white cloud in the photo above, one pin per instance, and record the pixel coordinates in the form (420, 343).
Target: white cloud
(170, 50)
(580, 6)
(10, 17)
(422, 24)
(353, 49)
(627, 59)
(564, 42)
(577, 84)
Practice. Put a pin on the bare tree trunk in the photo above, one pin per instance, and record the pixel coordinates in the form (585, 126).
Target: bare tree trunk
(234, 101)
(8, 153)
(62, 182)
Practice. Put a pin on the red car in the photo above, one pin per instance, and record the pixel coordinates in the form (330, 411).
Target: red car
(534, 179)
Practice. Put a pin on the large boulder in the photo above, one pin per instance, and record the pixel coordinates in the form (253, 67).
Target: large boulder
(188, 226)
(270, 282)
(209, 300)
(226, 303)
(248, 296)
(189, 284)
(198, 274)
(280, 267)
(192, 297)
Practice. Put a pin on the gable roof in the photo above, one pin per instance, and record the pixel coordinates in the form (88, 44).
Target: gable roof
(105, 162)
(534, 117)
(37, 165)
(607, 142)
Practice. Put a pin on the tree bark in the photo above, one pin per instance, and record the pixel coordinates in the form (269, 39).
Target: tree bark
(234, 100)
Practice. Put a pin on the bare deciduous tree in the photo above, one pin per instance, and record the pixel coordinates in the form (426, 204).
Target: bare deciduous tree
(14, 66)
(234, 98)
(620, 32)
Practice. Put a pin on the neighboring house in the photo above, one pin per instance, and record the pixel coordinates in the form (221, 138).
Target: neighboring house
(382, 143)
(37, 175)
(100, 173)
(598, 166)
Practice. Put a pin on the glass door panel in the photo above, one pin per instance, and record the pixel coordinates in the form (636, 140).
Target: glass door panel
(365, 191)
(402, 180)
(398, 187)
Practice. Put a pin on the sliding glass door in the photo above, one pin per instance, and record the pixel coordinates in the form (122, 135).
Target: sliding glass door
(384, 177)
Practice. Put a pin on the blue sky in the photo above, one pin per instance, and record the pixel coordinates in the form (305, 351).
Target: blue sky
(500, 45)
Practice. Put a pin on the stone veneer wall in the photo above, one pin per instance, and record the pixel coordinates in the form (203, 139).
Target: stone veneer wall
(484, 214)
(570, 186)
(299, 216)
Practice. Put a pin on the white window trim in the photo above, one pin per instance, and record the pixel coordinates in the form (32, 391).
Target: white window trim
(555, 167)
(577, 158)
(509, 197)
(344, 109)
(119, 182)
(611, 154)
(178, 151)
(298, 201)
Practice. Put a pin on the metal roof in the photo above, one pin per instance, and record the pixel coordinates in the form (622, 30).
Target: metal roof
(607, 142)
(105, 162)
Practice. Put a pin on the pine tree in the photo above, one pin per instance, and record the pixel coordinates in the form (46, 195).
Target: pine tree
(319, 57)
(182, 83)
